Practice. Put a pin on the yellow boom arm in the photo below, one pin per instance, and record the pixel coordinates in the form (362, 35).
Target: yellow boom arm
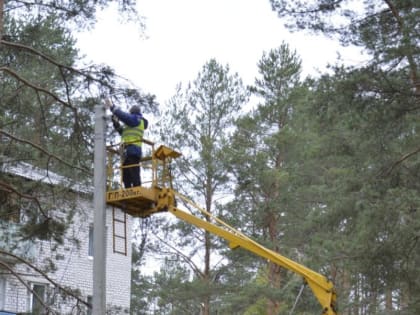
(143, 201)
(322, 288)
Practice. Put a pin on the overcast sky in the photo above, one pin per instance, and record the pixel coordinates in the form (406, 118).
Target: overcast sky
(181, 35)
(184, 34)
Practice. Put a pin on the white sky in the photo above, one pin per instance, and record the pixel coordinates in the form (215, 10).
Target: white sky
(184, 34)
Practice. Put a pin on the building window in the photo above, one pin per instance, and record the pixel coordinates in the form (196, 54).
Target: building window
(90, 249)
(2, 293)
(36, 302)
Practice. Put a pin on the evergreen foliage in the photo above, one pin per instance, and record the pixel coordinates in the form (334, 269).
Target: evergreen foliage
(198, 124)
(46, 118)
(325, 170)
(267, 163)
(46, 102)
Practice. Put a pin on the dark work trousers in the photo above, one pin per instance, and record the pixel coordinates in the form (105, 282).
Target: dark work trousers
(131, 175)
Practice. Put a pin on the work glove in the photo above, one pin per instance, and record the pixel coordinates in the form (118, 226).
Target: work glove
(109, 105)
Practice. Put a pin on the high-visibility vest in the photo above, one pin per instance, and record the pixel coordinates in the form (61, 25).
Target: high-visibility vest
(133, 135)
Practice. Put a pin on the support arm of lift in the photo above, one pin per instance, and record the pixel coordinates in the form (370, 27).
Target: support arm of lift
(160, 197)
(322, 288)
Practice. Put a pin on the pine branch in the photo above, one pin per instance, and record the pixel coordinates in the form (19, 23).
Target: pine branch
(53, 6)
(315, 9)
(410, 55)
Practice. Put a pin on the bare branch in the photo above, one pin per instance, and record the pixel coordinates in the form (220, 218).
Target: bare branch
(49, 59)
(399, 161)
(38, 88)
(26, 285)
(67, 292)
(185, 257)
(38, 147)
(54, 62)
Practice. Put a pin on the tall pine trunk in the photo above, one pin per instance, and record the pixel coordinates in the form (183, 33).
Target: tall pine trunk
(388, 298)
(274, 271)
(1, 19)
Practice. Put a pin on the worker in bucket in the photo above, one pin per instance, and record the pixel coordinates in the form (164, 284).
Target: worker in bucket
(131, 133)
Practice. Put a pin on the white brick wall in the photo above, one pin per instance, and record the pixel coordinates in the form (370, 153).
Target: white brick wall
(75, 270)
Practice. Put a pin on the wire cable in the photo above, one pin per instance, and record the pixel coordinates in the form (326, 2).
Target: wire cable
(297, 299)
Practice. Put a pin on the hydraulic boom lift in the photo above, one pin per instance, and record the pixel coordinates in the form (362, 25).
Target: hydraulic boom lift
(157, 195)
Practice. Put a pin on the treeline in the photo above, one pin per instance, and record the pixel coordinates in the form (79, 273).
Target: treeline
(323, 170)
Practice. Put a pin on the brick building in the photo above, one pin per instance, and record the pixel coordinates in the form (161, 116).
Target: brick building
(73, 259)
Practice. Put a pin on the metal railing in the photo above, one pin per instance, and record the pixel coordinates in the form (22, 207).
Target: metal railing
(154, 166)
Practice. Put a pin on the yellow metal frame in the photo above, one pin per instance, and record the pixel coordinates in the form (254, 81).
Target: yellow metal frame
(322, 288)
(159, 196)
(144, 200)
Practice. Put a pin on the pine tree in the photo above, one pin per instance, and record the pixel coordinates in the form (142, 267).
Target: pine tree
(368, 126)
(266, 161)
(368, 196)
(386, 29)
(198, 124)
(46, 111)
